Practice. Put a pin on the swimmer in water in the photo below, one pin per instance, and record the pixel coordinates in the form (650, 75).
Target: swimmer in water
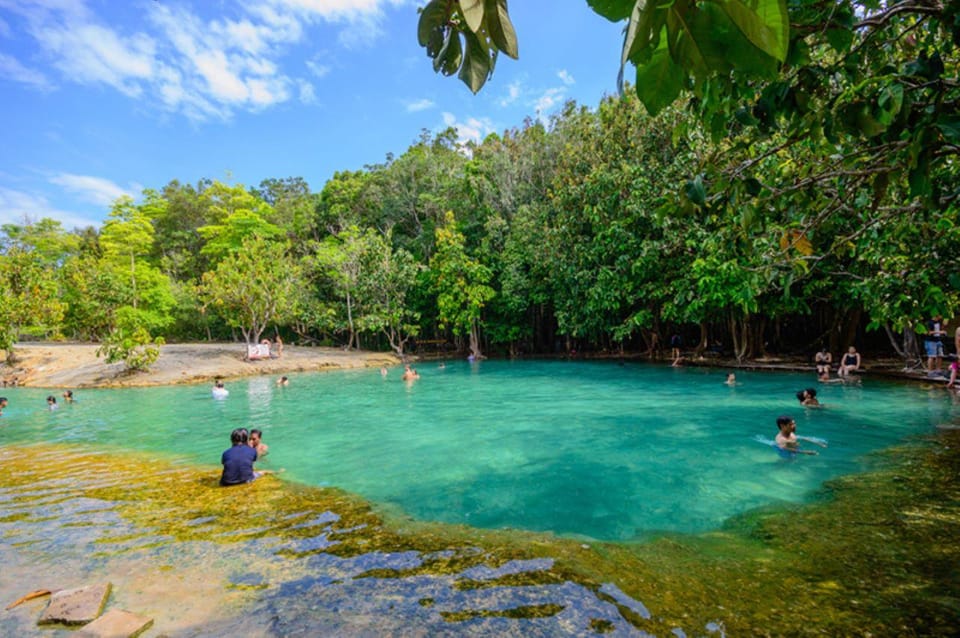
(808, 398)
(731, 379)
(787, 439)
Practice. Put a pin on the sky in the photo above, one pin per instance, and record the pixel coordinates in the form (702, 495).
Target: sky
(104, 98)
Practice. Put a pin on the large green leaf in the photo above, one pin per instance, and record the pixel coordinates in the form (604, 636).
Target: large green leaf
(613, 10)
(500, 28)
(472, 11)
(765, 23)
(659, 81)
(450, 56)
(432, 18)
(476, 63)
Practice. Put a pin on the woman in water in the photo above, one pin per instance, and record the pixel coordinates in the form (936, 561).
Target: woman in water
(808, 398)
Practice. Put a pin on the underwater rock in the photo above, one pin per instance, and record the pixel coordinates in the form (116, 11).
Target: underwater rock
(76, 606)
(117, 623)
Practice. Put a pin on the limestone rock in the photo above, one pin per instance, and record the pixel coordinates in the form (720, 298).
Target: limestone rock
(117, 623)
(76, 606)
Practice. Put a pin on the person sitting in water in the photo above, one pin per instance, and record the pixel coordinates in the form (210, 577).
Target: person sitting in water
(787, 440)
(731, 379)
(52, 402)
(237, 460)
(219, 391)
(68, 396)
(850, 363)
(383, 372)
(808, 398)
(409, 374)
(3, 404)
(283, 381)
(256, 442)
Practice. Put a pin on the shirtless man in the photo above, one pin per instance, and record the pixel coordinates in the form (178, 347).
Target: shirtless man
(409, 374)
(787, 439)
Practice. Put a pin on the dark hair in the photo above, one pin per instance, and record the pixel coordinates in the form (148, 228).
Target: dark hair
(2, 399)
(783, 420)
(800, 397)
(238, 436)
(257, 432)
(812, 392)
(51, 398)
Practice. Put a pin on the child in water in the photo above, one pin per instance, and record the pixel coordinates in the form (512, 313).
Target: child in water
(787, 440)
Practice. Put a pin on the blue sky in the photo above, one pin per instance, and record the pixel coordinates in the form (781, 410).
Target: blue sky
(102, 98)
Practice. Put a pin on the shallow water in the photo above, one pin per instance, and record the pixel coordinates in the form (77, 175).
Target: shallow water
(591, 450)
(129, 495)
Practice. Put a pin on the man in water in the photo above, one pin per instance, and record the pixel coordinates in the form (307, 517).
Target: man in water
(787, 440)
(238, 460)
(3, 404)
(409, 374)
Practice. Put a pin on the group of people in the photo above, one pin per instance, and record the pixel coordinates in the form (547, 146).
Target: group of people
(850, 363)
(237, 460)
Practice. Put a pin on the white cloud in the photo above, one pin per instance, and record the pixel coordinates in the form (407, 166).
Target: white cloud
(513, 92)
(307, 93)
(174, 58)
(12, 69)
(472, 130)
(565, 77)
(419, 105)
(549, 99)
(18, 207)
(95, 190)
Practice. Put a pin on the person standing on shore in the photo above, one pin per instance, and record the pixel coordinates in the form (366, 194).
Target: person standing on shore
(933, 341)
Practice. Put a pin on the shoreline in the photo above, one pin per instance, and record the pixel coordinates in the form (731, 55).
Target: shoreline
(76, 365)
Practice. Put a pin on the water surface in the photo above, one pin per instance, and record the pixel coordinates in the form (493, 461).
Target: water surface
(594, 450)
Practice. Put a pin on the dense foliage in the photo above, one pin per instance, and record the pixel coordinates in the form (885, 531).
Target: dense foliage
(808, 199)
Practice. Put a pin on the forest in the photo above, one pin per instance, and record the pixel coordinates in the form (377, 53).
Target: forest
(752, 208)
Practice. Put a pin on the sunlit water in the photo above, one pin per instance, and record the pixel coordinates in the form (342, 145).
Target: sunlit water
(592, 450)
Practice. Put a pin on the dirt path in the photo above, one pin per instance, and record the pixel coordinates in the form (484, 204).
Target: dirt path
(56, 365)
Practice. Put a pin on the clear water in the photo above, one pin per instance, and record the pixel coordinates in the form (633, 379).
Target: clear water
(591, 449)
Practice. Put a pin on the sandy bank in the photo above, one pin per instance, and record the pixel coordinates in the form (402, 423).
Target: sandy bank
(57, 365)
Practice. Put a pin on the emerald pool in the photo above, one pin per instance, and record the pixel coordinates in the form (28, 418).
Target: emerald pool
(593, 450)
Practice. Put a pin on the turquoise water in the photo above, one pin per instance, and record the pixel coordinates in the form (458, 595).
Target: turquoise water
(591, 449)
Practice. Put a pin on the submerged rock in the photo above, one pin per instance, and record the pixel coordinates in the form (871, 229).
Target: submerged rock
(76, 606)
(117, 623)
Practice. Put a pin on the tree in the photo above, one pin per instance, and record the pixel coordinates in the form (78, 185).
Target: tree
(343, 258)
(253, 287)
(390, 275)
(461, 284)
(30, 297)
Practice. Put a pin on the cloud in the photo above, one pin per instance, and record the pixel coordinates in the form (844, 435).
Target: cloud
(547, 100)
(175, 59)
(472, 130)
(565, 77)
(18, 207)
(513, 92)
(12, 69)
(95, 190)
(419, 105)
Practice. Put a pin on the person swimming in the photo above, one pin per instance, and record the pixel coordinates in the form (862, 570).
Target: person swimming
(52, 402)
(808, 398)
(731, 379)
(787, 441)
(409, 374)
(219, 391)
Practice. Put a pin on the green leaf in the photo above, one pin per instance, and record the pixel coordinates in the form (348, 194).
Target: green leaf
(450, 56)
(500, 28)
(766, 24)
(476, 64)
(659, 81)
(949, 126)
(432, 18)
(472, 11)
(613, 10)
(840, 39)
(695, 191)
